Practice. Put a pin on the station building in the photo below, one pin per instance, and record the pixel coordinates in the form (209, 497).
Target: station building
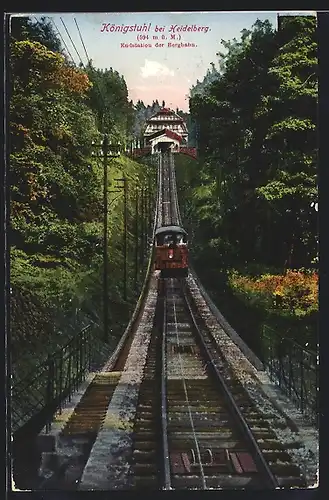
(165, 131)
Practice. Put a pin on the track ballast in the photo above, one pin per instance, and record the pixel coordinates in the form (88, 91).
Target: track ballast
(188, 423)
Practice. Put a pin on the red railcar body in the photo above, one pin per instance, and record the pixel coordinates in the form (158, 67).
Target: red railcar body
(171, 251)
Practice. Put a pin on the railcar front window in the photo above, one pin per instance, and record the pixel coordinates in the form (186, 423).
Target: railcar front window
(181, 240)
(169, 239)
(159, 240)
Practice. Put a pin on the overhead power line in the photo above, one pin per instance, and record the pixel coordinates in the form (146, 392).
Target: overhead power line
(59, 33)
(96, 80)
(68, 34)
(88, 59)
(82, 41)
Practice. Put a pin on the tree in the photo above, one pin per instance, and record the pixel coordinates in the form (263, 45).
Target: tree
(51, 133)
(23, 28)
(56, 188)
(255, 125)
(291, 139)
(108, 97)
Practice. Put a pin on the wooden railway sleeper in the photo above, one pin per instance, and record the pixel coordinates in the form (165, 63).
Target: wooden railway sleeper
(239, 462)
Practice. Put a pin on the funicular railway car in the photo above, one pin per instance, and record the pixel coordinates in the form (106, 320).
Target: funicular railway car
(171, 252)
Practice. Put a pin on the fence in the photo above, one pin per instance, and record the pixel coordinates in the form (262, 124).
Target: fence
(192, 152)
(46, 388)
(294, 369)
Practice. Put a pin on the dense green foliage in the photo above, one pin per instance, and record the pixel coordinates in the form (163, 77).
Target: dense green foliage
(257, 139)
(56, 202)
(108, 98)
(248, 201)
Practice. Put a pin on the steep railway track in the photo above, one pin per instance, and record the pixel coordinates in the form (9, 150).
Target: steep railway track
(175, 213)
(212, 428)
(168, 198)
(190, 424)
(166, 208)
(208, 425)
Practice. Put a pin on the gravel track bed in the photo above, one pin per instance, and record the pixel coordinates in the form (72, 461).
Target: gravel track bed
(107, 466)
(292, 429)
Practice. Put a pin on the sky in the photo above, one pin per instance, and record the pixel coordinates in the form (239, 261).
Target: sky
(158, 72)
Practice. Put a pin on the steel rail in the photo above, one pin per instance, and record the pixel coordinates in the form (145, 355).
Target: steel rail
(168, 193)
(164, 412)
(176, 217)
(170, 189)
(236, 413)
(173, 215)
(164, 191)
(188, 402)
(176, 194)
(160, 193)
(174, 191)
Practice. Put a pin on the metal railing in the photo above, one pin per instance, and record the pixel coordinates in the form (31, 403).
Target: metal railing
(294, 369)
(45, 389)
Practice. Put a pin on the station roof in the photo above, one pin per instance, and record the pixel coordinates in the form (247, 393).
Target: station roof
(167, 132)
(167, 115)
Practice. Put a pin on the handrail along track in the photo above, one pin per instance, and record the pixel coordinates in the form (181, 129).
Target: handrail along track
(236, 412)
(196, 400)
(164, 419)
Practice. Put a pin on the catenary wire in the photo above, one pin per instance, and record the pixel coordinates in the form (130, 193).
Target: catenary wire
(61, 37)
(68, 34)
(83, 44)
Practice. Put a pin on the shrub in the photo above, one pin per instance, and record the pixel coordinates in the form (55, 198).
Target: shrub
(294, 293)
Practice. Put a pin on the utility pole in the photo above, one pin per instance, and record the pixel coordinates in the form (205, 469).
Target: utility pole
(147, 217)
(107, 151)
(143, 226)
(125, 234)
(146, 221)
(105, 244)
(141, 257)
(125, 194)
(136, 239)
(150, 201)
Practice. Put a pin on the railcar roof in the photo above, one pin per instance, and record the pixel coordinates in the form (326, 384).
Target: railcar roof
(170, 229)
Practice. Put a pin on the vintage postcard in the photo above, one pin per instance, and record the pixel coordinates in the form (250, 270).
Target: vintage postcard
(163, 295)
